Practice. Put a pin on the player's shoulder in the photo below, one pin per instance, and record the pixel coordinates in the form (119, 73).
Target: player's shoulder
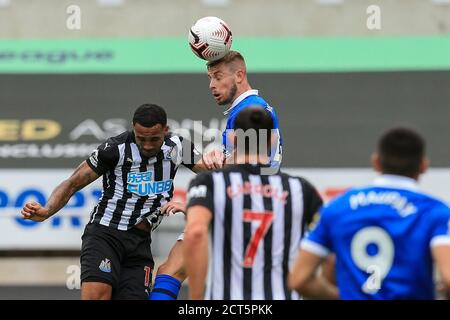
(111, 145)
(252, 101)
(303, 181)
(416, 196)
(349, 193)
(107, 154)
(341, 202)
(430, 206)
(306, 187)
(433, 203)
(202, 178)
(286, 175)
(255, 100)
(173, 139)
(122, 138)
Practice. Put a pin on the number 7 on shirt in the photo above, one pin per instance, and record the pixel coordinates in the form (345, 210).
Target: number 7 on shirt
(265, 219)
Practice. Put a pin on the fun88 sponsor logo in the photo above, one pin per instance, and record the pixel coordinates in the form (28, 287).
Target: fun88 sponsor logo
(141, 183)
(80, 205)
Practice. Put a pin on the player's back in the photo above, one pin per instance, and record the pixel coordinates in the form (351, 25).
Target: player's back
(258, 223)
(382, 238)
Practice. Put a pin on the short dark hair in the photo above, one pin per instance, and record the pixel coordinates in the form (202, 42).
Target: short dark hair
(228, 58)
(401, 152)
(258, 120)
(149, 115)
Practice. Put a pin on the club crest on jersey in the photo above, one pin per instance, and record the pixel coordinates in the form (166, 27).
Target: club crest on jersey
(105, 265)
(141, 183)
(171, 154)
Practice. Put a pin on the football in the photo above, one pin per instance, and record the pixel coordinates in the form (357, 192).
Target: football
(210, 38)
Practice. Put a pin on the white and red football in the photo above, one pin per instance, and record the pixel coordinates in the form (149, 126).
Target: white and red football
(210, 38)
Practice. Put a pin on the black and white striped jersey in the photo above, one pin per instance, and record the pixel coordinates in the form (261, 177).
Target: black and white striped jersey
(258, 223)
(135, 186)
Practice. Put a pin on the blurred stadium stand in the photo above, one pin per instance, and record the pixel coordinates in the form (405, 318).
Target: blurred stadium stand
(160, 18)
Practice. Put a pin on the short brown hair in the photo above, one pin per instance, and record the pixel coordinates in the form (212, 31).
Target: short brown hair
(228, 58)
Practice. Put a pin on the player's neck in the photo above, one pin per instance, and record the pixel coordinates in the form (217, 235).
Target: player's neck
(241, 89)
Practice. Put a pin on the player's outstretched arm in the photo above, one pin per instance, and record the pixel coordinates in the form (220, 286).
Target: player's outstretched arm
(304, 278)
(173, 207)
(81, 177)
(441, 255)
(211, 160)
(196, 249)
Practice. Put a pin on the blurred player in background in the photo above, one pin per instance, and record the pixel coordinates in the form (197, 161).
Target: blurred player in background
(257, 221)
(385, 236)
(138, 168)
(229, 86)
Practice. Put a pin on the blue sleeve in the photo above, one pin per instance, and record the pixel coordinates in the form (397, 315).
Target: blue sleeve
(318, 241)
(230, 124)
(440, 229)
(276, 153)
(274, 117)
(231, 120)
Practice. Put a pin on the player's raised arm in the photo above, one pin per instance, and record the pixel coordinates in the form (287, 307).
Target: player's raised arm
(441, 255)
(440, 248)
(304, 278)
(211, 160)
(196, 249)
(197, 162)
(82, 176)
(173, 207)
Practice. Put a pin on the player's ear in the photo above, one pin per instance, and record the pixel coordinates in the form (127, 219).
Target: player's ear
(376, 162)
(166, 129)
(424, 164)
(239, 75)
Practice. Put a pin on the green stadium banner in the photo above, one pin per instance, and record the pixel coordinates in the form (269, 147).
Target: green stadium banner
(173, 55)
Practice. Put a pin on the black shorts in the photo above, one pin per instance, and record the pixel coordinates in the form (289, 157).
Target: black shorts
(122, 259)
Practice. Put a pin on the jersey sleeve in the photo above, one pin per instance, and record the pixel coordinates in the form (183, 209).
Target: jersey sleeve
(276, 153)
(312, 202)
(317, 241)
(440, 231)
(190, 155)
(104, 158)
(200, 192)
(274, 116)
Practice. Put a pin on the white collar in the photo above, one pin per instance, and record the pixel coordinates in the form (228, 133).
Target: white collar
(244, 95)
(396, 182)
